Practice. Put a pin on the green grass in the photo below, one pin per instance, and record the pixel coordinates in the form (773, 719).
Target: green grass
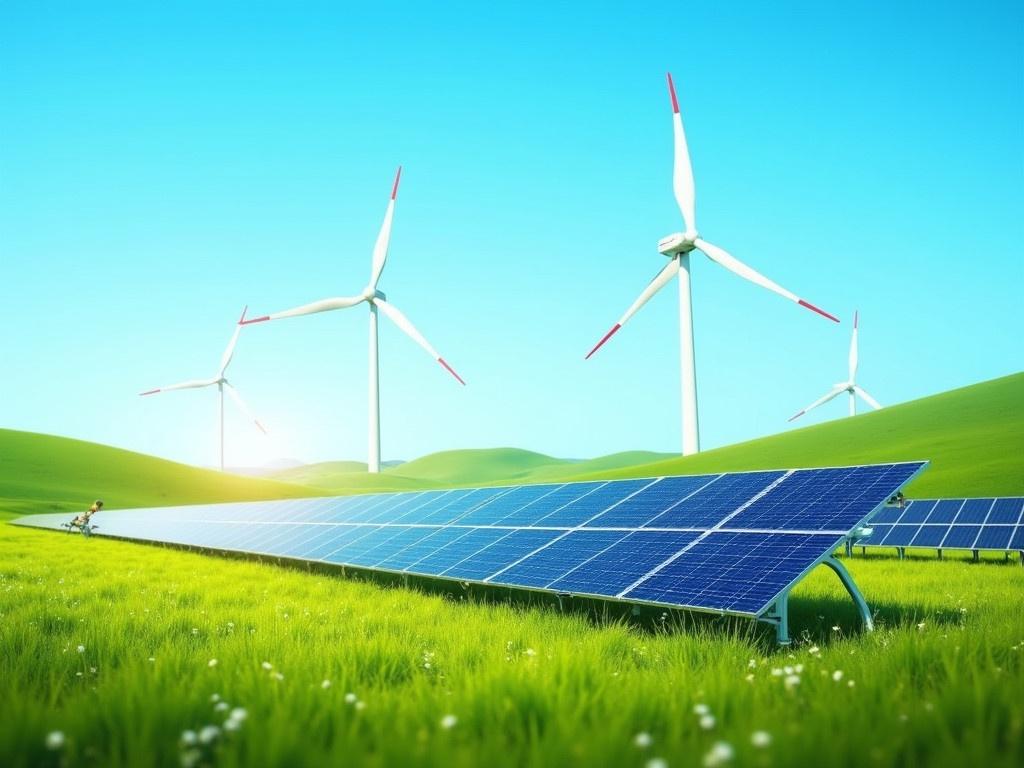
(938, 683)
(972, 436)
(44, 473)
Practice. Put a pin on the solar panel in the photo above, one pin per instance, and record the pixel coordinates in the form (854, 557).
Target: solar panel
(977, 524)
(727, 543)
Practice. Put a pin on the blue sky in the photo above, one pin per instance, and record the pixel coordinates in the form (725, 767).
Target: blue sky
(161, 167)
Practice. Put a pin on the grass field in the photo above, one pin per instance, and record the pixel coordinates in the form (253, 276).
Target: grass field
(113, 644)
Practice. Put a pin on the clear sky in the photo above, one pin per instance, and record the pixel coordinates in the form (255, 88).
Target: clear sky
(161, 167)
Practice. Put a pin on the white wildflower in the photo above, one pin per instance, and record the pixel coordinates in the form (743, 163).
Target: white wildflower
(721, 752)
(760, 739)
(54, 740)
(351, 698)
(792, 681)
(211, 663)
(642, 740)
(189, 738)
(448, 722)
(267, 665)
(707, 722)
(325, 684)
(701, 709)
(656, 762)
(837, 675)
(208, 734)
(81, 649)
(221, 706)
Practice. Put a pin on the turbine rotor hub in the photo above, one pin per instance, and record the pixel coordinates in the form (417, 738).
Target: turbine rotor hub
(677, 243)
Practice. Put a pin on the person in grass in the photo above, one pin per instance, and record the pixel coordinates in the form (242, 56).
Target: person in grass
(82, 521)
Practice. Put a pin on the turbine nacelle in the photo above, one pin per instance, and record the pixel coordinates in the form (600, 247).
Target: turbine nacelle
(370, 293)
(676, 243)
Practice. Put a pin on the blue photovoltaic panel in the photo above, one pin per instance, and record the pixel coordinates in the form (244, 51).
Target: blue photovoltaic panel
(731, 542)
(976, 524)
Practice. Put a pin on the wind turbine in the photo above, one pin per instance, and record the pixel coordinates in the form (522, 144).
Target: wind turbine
(376, 299)
(677, 248)
(850, 385)
(222, 386)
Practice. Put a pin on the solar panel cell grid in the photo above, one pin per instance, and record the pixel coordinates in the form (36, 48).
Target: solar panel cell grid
(586, 538)
(976, 524)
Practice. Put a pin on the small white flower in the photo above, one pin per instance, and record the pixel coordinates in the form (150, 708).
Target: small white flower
(211, 663)
(750, 677)
(812, 650)
(267, 665)
(151, 658)
(239, 714)
(920, 626)
(189, 738)
(721, 752)
(351, 698)
(325, 684)
(232, 725)
(760, 739)
(701, 709)
(54, 740)
(220, 706)
(448, 722)
(799, 669)
(214, 698)
(707, 722)
(360, 705)
(81, 649)
(277, 676)
(792, 681)
(776, 672)
(530, 652)
(835, 628)
(752, 664)
(642, 740)
(656, 762)
(191, 758)
(837, 675)
(208, 734)
(788, 670)
(849, 683)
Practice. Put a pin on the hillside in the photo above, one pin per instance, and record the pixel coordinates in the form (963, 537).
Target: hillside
(973, 436)
(44, 473)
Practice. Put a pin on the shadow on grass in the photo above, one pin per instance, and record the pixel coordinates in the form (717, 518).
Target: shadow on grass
(810, 619)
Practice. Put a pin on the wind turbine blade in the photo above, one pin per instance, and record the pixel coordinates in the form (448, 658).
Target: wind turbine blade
(853, 350)
(682, 171)
(380, 248)
(722, 257)
(191, 384)
(242, 406)
(225, 359)
(667, 273)
(820, 401)
(867, 398)
(343, 302)
(402, 322)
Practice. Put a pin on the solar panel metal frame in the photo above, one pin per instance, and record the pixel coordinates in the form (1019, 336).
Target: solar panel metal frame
(774, 611)
(1016, 529)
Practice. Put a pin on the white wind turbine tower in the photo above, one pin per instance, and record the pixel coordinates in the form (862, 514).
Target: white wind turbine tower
(677, 248)
(850, 385)
(376, 300)
(222, 386)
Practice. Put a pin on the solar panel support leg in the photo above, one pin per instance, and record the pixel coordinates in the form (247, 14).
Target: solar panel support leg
(940, 553)
(854, 590)
(974, 555)
(778, 615)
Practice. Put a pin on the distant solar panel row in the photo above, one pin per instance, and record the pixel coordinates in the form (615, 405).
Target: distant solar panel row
(726, 542)
(977, 524)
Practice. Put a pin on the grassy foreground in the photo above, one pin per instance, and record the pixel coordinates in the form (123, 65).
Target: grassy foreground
(113, 644)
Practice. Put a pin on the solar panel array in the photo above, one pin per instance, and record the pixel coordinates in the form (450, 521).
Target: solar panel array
(729, 543)
(976, 524)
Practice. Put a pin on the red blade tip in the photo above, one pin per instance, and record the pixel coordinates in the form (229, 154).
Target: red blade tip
(254, 320)
(821, 312)
(394, 189)
(603, 340)
(672, 93)
(451, 370)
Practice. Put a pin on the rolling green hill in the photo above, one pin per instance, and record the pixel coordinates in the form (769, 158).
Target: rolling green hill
(974, 438)
(44, 473)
